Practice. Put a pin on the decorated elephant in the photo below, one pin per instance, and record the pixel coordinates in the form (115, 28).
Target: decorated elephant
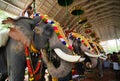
(89, 49)
(37, 39)
(21, 35)
(102, 56)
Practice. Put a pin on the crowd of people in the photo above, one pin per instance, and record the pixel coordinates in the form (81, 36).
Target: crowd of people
(113, 62)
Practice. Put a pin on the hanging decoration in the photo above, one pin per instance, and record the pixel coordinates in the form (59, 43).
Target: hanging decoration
(93, 34)
(65, 2)
(31, 71)
(88, 31)
(34, 7)
(87, 25)
(77, 11)
(82, 20)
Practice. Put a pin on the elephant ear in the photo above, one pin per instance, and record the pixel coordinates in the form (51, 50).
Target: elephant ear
(18, 35)
(9, 20)
(36, 20)
(48, 31)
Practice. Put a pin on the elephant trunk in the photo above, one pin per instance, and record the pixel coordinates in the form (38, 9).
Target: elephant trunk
(64, 68)
(94, 62)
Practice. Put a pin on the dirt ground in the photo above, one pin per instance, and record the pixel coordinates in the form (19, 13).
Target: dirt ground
(109, 75)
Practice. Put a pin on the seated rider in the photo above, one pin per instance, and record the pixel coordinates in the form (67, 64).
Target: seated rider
(28, 11)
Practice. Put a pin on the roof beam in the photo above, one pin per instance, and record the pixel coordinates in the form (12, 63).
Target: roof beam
(72, 22)
(42, 1)
(11, 5)
(57, 12)
(105, 16)
(53, 5)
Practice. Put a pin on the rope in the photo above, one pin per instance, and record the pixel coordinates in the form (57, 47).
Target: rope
(34, 7)
(67, 14)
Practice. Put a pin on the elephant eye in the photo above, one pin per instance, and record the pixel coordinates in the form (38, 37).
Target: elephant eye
(37, 30)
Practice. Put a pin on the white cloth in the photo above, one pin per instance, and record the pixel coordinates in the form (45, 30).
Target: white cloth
(25, 15)
(116, 66)
(26, 78)
(75, 76)
(107, 63)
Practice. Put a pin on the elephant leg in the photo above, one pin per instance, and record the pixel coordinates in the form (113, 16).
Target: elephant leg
(100, 67)
(94, 62)
(16, 67)
(3, 65)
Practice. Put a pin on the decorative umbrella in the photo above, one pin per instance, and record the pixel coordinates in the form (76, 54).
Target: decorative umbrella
(87, 25)
(76, 11)
(65, 2)
(82, 20)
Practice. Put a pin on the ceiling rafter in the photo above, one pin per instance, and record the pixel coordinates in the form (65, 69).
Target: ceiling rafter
(73, 21)
(91, 10)
(91, 16)
(57, 12)
(9, 4)
(100, 13)
(41, 3)
(51, 8)
(68, 21)
(104, 16)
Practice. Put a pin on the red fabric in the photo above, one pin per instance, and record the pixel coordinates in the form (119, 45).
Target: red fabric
(74, 72)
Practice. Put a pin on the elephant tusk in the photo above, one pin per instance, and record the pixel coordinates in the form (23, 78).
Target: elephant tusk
(102, 56)
(91, 55)
(66, 57)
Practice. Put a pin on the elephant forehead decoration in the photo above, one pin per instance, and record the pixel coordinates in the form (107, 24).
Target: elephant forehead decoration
(56, 29)
(79, 37)
(94, 45)
(82, 39)
(98, 49)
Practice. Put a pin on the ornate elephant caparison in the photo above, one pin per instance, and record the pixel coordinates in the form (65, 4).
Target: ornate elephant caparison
(24, 33)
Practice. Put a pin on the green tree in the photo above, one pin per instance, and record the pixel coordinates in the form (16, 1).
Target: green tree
(4, 15)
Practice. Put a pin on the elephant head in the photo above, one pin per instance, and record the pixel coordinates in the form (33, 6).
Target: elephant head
(48, 37)
(20, 35)
(42, 36)
(81, 44)
(98, 49)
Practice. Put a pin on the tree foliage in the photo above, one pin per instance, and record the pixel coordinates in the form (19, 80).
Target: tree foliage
(4, 15)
